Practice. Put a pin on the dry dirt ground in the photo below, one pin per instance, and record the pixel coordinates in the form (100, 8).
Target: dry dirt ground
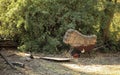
(99, 64)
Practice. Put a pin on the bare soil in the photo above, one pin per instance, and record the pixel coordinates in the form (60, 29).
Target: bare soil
(97, 64)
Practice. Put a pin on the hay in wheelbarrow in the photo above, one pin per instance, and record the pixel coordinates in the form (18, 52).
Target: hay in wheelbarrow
(79, 42)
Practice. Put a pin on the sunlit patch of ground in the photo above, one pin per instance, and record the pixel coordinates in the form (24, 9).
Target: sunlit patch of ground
(95, 69)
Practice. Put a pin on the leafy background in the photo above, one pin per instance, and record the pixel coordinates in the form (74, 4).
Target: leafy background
(39, 25)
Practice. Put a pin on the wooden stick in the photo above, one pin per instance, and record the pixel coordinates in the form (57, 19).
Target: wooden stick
(99, 47)
(6, 60)
(19, 64)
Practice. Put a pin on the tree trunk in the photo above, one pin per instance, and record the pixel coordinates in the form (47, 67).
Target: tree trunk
(106, 20)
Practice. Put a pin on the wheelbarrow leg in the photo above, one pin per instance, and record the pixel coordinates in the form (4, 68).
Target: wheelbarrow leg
(68, 54)
(71, 49)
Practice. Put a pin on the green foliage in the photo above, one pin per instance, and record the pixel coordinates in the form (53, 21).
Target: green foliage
(39, 25)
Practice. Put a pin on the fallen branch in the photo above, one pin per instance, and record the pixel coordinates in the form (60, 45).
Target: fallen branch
(56, 59)
(99, 47)
(6, 60)
(50, 58)
(19, 64)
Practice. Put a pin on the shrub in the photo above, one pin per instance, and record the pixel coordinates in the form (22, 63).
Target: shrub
(39, 25)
